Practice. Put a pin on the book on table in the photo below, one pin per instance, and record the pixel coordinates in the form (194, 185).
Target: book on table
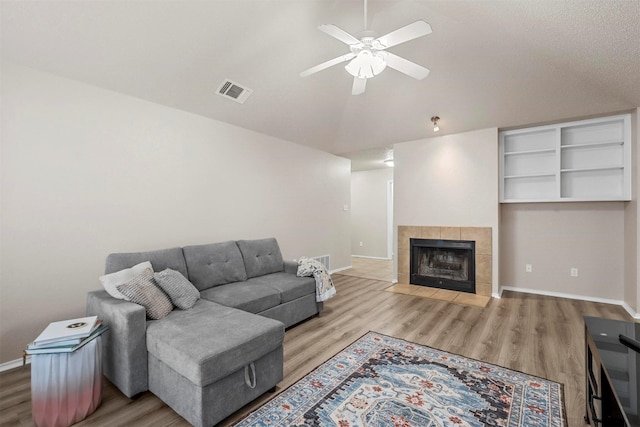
(63, 341)
(66, 330)
(66, 346)
(72, 341)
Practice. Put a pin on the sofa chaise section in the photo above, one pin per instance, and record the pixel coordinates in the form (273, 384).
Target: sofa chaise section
(204, 361)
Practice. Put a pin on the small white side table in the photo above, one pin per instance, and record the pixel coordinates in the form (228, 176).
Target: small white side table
(66, 387)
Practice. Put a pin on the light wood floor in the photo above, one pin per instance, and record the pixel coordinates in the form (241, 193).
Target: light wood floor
(537, 335)
(370, 268)
(382, 269)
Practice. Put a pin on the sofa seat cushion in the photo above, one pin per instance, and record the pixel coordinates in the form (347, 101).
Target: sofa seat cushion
(290, 286)
(211, 341)
(246, 296)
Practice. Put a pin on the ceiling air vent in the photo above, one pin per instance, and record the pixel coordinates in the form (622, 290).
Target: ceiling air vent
(232, 90)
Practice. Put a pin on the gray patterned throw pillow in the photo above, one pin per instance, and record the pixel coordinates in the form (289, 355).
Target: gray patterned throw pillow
(143, 290)
(181, 291)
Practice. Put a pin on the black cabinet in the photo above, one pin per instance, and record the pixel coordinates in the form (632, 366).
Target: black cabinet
(612, 373)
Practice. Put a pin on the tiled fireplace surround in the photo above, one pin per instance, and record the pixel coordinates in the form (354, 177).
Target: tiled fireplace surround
(481, 235)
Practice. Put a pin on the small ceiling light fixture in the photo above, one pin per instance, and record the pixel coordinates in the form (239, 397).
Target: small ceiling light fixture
(435, 120)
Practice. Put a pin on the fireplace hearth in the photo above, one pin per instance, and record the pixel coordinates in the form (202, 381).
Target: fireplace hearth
(444, 264)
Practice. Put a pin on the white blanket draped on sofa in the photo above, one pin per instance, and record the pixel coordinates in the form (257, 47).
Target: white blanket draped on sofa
(324, 284)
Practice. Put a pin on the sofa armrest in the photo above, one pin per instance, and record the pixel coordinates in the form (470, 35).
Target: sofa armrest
(291, 267)
(124, 344)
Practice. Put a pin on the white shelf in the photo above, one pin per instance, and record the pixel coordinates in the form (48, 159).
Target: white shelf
(593, 144)
(599, 168)
(585, 160)
(544, 150)
(531, 175)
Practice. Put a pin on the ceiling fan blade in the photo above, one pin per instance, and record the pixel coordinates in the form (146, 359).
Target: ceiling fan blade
(404, 34)
(327, 64)
(407, 67)
(358, 86)
(339, 34)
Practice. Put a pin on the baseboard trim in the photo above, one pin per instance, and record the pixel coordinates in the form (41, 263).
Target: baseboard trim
(630, 310)
(337, 270)
(621, 303)
(372, 257)
(13, 364)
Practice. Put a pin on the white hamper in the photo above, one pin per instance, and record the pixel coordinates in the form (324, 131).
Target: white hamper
(66, 387)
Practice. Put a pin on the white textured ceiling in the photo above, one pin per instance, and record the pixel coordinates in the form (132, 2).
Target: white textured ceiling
(493, 63)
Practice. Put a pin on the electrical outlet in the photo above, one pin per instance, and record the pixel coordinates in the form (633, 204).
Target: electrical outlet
(574, 272)
(361, 244)
(528, 268)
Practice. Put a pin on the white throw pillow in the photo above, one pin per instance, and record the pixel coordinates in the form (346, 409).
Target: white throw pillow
(113, 280)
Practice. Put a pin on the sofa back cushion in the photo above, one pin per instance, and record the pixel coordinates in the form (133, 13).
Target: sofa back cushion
(214, 264)
(160, 260)
(261, 256)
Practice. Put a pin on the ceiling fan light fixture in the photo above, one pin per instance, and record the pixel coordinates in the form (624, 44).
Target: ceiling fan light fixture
(366, 64)
(368, 56)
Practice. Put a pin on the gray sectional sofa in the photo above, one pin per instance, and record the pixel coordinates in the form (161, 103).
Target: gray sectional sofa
(210, 360)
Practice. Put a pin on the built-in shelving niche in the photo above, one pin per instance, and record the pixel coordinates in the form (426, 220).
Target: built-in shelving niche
(586, 160)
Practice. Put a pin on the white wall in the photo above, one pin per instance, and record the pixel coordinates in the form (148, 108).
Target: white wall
(86, 172)
(369, 212)
(449, 181)
(555, 237)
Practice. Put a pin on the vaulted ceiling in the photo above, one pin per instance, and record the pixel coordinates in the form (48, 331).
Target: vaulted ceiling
(493, 63)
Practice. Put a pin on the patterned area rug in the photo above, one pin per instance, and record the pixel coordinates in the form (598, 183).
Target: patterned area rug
(383, 381)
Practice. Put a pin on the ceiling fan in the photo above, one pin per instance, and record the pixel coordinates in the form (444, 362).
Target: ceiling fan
(368, 56)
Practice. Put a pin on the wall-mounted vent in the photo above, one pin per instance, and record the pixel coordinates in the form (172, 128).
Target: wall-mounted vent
(325, 259)
(232, 90)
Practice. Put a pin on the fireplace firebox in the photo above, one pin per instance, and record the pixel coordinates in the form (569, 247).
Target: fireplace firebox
(444, 264)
